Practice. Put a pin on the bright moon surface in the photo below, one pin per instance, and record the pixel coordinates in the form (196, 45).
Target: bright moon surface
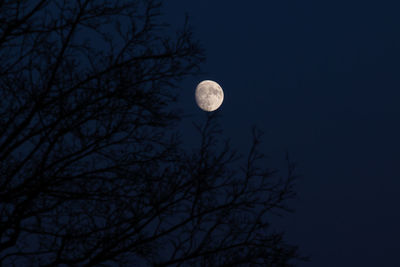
(209, 95)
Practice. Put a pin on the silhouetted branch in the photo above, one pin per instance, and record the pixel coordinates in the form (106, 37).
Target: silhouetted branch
(91, 169)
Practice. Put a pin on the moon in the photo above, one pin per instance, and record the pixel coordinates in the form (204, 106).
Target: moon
(209, 95)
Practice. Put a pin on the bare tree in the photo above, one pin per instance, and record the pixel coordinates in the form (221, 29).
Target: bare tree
(92, 171)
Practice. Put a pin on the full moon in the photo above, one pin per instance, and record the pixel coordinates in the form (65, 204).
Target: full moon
(209, 95)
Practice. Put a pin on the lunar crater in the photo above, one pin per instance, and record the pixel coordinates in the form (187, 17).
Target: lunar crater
(209, 95)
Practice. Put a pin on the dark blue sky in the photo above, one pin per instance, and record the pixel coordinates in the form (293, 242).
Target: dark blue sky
(322, 79)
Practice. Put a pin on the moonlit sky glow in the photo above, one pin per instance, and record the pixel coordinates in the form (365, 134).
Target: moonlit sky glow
(321, 78)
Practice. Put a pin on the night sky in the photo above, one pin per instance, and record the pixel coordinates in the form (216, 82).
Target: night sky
(321, 79)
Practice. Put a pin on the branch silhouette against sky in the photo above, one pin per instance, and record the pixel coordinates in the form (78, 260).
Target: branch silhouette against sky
(92, 167)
